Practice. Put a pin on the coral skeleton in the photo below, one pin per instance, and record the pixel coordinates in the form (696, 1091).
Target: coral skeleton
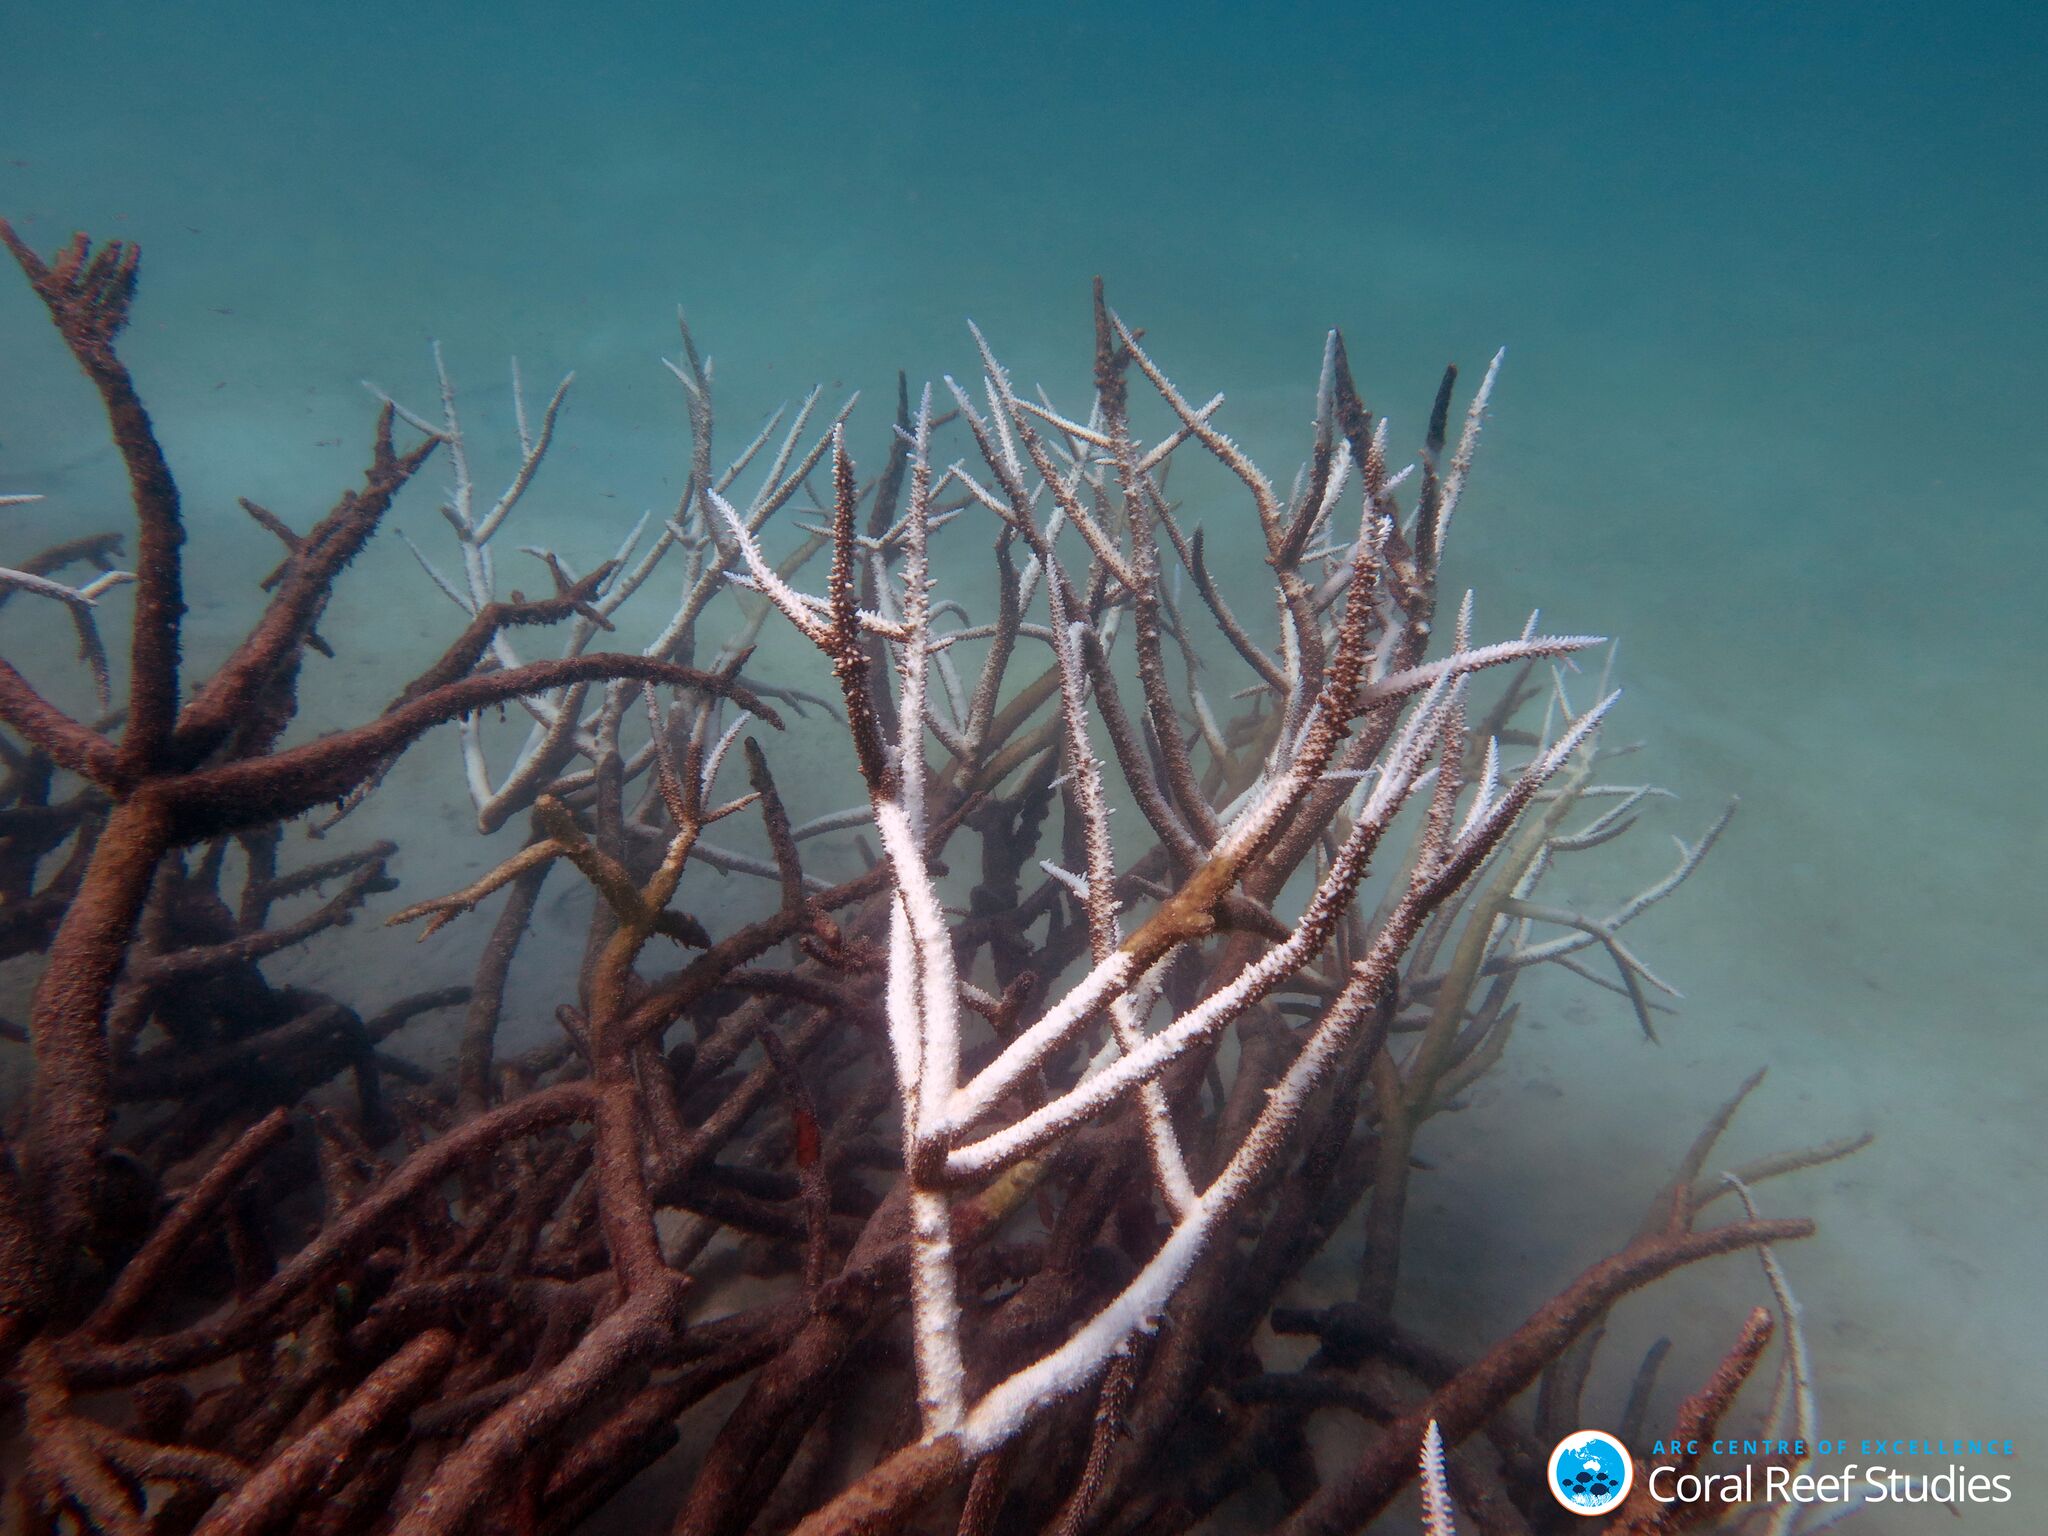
(979, 1169)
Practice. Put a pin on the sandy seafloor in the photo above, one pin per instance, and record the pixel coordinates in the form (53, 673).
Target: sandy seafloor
(1770, 280)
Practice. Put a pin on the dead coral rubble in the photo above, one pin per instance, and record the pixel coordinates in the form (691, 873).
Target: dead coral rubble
(1013, 1219)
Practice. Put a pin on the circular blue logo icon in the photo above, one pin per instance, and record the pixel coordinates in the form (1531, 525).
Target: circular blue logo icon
(1590, 1472)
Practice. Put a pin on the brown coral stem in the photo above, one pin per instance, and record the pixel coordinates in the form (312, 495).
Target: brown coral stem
(71, 1099)
(324, 1452)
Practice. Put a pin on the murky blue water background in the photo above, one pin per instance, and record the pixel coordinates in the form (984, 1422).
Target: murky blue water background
(1771, 282)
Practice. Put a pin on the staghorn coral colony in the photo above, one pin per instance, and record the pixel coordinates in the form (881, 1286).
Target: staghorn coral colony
(1022, 1133)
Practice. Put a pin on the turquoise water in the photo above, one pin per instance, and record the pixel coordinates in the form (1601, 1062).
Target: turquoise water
(1770, 281)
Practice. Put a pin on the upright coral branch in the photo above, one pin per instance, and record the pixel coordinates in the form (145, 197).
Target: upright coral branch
(180, 777)
(89, 293)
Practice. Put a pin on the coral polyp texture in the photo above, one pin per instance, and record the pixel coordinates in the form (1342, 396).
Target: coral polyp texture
(965, 1189)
